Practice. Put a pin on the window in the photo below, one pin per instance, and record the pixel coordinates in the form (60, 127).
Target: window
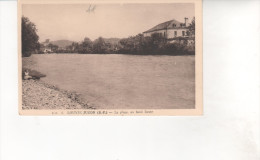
(174, 25)
(175, 33)
(183, 33)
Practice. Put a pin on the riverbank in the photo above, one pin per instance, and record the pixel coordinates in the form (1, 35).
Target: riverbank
(39, 95)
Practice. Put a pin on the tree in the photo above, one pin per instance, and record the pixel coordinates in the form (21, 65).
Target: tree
(191, 28)
(100, 46)
(86, 46)
(158, 41)
(128, 44)
(53, 47)
(30, 39)
(143, 45)
(73, 48)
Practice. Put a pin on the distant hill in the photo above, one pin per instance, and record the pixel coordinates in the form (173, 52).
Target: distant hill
(65, 43)
(112, 40)
(62, 43)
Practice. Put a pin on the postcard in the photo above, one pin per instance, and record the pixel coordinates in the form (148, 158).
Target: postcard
(110, 58)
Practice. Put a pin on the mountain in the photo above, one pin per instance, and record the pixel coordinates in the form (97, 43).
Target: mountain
(62, 43)
(65, 43)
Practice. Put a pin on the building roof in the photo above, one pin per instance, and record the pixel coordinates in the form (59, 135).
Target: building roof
(167, 25)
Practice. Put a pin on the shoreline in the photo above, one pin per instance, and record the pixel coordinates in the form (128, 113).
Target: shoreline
(134, 54)
(37, 94)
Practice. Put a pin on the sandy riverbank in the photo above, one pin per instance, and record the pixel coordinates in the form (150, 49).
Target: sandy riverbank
(39, 95)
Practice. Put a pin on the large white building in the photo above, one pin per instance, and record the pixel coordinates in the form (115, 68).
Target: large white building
(170, 29)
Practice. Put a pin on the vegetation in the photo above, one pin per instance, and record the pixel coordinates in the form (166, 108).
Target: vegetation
(53, 47)
(30, 39)
(98, 46)
(62, 43)
(132, 45)
(192, 27)
(155, 44)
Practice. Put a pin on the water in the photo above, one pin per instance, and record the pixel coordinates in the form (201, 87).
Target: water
(122, 81)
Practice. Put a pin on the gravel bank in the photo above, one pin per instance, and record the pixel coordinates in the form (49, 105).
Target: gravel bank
(38, 95)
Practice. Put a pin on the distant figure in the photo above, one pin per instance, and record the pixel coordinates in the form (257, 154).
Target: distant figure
(26, 75)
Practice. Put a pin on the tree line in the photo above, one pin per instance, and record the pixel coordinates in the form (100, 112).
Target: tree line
(98, 46)
(139, 44)
(155, 44)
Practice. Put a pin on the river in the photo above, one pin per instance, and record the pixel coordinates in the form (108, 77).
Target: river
(115, 81)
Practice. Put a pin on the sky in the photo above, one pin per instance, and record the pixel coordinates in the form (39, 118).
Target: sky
(77, 21)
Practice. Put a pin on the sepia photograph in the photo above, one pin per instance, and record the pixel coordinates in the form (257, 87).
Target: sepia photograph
(110, 59)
